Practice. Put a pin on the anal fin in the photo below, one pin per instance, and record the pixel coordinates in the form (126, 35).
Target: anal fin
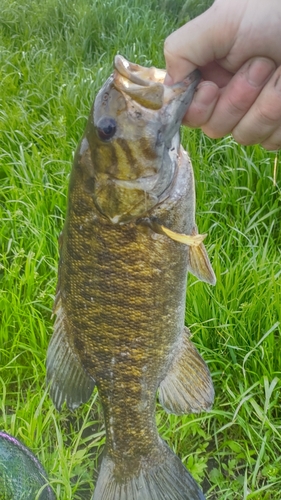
(187, 387)
(68, 380)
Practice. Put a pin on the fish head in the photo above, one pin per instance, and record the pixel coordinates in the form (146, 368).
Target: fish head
(132, 138)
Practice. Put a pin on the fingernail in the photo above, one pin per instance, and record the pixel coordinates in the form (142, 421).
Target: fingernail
(168, 80)
(259, 71)
(206, 93)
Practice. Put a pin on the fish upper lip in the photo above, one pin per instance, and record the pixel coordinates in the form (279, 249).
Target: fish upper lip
(137, 74)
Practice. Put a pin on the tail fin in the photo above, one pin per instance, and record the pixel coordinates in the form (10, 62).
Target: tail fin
(166, 480)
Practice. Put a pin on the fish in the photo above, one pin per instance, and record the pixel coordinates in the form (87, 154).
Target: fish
(22, 476)
(128, 242)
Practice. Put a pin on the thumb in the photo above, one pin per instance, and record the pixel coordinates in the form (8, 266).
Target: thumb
(197, 43)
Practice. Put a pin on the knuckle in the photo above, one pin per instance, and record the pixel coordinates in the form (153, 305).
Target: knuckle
(237, 106)
(269, 112)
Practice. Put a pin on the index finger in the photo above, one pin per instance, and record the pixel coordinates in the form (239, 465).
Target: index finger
(196, 44)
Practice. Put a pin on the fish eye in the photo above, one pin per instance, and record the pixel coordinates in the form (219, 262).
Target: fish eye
(106, 128)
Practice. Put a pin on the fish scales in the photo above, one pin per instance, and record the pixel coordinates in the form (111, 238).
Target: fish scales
(134, 275)
(121, 295)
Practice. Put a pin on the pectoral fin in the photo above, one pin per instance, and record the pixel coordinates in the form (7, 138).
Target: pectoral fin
(199, 264)
(68, 380)
(198, 260)
(187, 387)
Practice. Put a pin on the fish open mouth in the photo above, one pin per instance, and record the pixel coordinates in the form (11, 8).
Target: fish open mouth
(146, 85)
(138, 74)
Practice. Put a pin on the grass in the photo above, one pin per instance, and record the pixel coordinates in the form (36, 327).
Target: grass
(54, 57)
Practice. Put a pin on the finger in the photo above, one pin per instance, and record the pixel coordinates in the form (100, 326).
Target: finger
(215, 73)
(238, 96)
(202, 105)
(263, 121)
(197, 43)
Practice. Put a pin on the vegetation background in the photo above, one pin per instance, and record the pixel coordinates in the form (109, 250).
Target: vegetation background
(54, 57)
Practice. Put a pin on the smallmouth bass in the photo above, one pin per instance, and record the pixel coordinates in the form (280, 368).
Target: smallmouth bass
(128, 242)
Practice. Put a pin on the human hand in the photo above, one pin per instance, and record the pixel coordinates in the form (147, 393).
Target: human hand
(236, 45)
